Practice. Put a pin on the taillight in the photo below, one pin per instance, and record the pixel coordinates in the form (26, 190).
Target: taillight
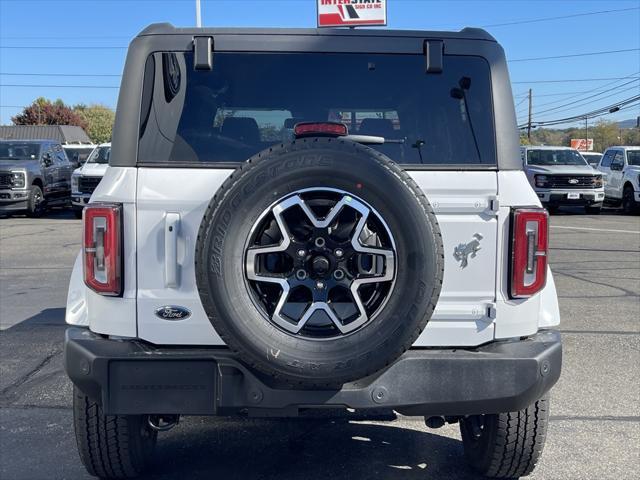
(529, 251)
(102, 248)
(306, 129)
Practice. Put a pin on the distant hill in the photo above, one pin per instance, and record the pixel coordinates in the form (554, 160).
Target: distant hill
(630, 123)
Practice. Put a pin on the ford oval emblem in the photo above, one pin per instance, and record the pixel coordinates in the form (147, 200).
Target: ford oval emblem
(173, 312)
(573, 181)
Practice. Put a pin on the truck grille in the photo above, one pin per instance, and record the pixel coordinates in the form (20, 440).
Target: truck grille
(571, 181)
(88, 184)
(5, 180)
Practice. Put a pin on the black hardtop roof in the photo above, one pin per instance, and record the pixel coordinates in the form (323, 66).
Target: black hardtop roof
(464, 34)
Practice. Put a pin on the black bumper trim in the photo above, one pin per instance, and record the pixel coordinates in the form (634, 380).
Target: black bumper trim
(131, 377)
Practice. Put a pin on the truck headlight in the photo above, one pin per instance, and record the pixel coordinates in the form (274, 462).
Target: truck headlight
(18, 179)
(541, 181)
(597, 181)
(74, 182)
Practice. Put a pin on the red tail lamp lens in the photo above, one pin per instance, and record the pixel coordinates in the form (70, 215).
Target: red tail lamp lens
(529, 252)
(102, 248)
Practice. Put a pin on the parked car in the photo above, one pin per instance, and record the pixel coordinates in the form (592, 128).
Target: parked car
(592, 158)
(620, 167)
(77, 153)
(74, 140)
(560, 176)
(398, 263)
(86, 178)
(34, 175)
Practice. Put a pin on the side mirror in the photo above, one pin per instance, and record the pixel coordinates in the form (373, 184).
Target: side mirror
(46, 160)
(616, 166)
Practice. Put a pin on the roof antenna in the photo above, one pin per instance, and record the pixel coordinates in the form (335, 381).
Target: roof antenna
(198, 16)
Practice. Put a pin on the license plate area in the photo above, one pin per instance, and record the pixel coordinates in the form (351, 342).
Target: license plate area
(573, 196)
(162, 387)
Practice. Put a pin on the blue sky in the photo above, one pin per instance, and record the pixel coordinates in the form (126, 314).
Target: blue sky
(108, 25)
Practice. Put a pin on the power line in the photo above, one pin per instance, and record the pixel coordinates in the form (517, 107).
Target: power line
(582, 103)
(573, 80)
(546, 19)
(63, 47)
(16, 74)
(55, 86)
(584, 54)
(602, 87)
(582, 116)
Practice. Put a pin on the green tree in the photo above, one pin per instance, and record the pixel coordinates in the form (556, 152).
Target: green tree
(99, 120)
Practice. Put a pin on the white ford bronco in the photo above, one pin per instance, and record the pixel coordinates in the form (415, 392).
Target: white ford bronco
(298, 219)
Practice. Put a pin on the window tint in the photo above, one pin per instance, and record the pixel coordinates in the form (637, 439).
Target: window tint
(618, 160)
(19, 150)
(633, 157)
(249, 101)
(99, 155)
(59, 155)
(606, 160)
(554, 157)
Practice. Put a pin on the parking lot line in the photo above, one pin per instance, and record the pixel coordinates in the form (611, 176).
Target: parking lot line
(597, 229)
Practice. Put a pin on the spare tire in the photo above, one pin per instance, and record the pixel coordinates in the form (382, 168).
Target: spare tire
(319, 262)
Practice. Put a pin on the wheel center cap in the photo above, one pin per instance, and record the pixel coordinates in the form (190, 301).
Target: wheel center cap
(320, 265)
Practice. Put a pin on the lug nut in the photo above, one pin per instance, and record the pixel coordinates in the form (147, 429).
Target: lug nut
(301, 253)
(319, 285)
(338, 274)
(301, 274)
(319, 242)
(338, 253)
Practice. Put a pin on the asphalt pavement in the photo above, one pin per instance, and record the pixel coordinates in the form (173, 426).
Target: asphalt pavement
(595, 410)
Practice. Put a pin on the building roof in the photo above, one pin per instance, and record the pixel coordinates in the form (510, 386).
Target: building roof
(61, 133)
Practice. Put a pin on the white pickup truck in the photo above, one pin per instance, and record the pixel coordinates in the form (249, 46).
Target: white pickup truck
(86, 178)
(389, 254)
(620, 167)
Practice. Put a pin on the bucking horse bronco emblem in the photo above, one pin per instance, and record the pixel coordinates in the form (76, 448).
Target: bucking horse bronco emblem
(465, 250)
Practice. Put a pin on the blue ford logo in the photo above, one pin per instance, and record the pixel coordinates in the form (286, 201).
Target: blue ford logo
(172, 312)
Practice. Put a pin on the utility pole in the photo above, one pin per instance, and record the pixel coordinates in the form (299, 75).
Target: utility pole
(198, 16)
(586, 133)
(529, 121)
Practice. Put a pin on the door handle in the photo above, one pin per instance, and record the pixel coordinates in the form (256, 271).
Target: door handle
(171, 231)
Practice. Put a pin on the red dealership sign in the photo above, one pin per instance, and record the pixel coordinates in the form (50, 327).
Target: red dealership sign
(350, 13)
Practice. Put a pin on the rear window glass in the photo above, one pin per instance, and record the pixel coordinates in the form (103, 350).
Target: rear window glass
(249, 101)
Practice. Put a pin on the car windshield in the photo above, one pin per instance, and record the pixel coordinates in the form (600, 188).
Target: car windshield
(99, 155)
(554, 157)
(19, 151)
(633, 157)
(78, 155)
(249, 101)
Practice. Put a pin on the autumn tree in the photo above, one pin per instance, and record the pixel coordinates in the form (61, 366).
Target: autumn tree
(44, 112)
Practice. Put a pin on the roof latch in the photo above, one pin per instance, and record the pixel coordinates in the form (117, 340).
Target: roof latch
(203, 53)
(433, 53)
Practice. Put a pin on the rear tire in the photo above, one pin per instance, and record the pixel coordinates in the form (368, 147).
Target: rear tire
(111, 446)
(506, 445)
(36, 202)
(629, 204)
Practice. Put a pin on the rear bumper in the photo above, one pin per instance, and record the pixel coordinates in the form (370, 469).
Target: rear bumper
(130, 377)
